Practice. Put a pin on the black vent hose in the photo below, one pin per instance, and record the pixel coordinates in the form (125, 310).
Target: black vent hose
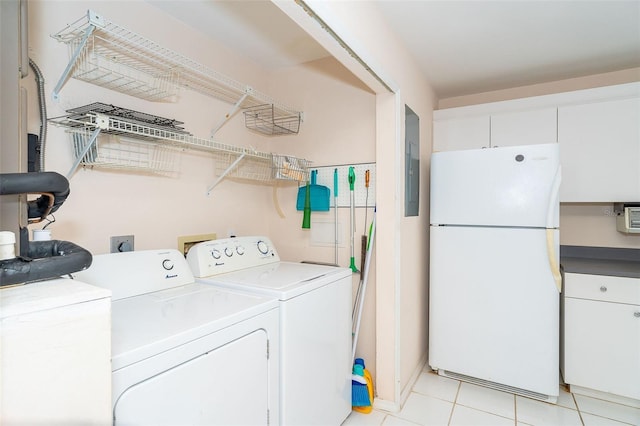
(46, 260)
(53, 186)
(41, 260)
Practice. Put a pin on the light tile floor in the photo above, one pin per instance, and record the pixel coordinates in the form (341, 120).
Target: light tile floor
(437, 401)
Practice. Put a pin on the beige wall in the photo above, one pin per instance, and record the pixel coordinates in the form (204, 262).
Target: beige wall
(581, 224)
(157, 209)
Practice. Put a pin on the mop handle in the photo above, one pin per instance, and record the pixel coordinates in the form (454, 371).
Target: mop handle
(335, 208)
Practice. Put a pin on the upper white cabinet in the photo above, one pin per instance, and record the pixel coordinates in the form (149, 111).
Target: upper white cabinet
(461, 133)
(524, 127)
(500, 129)
(598, 131)
(600, 151)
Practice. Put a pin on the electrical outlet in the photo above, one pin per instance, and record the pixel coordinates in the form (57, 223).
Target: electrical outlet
(121, 243)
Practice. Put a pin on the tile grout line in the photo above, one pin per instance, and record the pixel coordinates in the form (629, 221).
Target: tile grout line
(455, 401)
(573, 396)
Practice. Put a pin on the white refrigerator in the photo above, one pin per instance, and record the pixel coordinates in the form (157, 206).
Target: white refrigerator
(494, 276)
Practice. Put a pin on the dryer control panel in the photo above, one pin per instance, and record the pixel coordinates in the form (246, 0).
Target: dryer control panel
(230, 254)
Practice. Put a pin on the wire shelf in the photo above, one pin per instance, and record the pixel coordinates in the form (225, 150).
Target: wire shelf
(112, 152)
(290, 168)
(161, 141)
(111, 56)
(263, 119)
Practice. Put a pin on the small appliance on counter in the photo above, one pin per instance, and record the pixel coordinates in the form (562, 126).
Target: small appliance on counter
(628, 217)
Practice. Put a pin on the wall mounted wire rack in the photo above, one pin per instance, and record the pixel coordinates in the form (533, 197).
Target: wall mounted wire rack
(108, 55)
(148, 142)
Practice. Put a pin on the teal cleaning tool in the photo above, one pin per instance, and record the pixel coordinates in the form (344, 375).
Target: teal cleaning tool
(306, 216)
(335, 208)
(356, 314)
(352, 181)
(319, 195)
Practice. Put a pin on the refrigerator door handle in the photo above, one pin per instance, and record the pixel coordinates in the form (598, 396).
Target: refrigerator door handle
(554, 198)
(551, 209)
(553, 264)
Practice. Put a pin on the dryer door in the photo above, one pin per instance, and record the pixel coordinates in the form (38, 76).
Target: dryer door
(225, 386)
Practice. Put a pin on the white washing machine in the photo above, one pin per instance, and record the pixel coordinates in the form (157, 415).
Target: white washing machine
(315, 322)
(183, 352)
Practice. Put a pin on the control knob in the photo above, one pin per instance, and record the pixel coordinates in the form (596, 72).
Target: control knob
(263, 247)
(240, 250)
(215, 253)
(167, 264)
(228, 251)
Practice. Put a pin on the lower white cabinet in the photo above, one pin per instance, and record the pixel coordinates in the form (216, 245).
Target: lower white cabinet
(602, 333)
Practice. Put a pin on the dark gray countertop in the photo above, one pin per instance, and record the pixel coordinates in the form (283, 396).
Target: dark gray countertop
(619, 262)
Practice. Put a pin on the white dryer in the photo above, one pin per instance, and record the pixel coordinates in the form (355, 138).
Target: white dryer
(315, 322)
(183, 352)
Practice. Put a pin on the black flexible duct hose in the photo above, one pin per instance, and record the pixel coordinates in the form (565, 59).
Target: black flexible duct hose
(47, 259)
(37, 183)
(41, 260)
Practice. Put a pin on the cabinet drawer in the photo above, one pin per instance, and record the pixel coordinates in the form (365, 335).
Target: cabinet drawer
(602, 287)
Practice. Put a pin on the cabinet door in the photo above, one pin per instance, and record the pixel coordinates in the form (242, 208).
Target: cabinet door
(600, 151)
(602, 346)
(524, 127)
(461, 133)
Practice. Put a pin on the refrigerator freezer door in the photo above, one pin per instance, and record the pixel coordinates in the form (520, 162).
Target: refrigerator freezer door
(510, 186)
(494, 307)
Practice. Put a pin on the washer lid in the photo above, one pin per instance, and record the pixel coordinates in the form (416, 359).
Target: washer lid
(44, 295)
(283, 280)
(146, 325)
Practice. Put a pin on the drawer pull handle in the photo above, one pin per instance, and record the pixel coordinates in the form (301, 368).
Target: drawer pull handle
(603, 289)
(636, 314)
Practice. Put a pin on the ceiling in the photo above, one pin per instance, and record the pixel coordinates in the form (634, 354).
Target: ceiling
(466, 47)
(462, 47)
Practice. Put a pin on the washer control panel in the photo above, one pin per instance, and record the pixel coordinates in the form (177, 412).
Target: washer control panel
(230, 254)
